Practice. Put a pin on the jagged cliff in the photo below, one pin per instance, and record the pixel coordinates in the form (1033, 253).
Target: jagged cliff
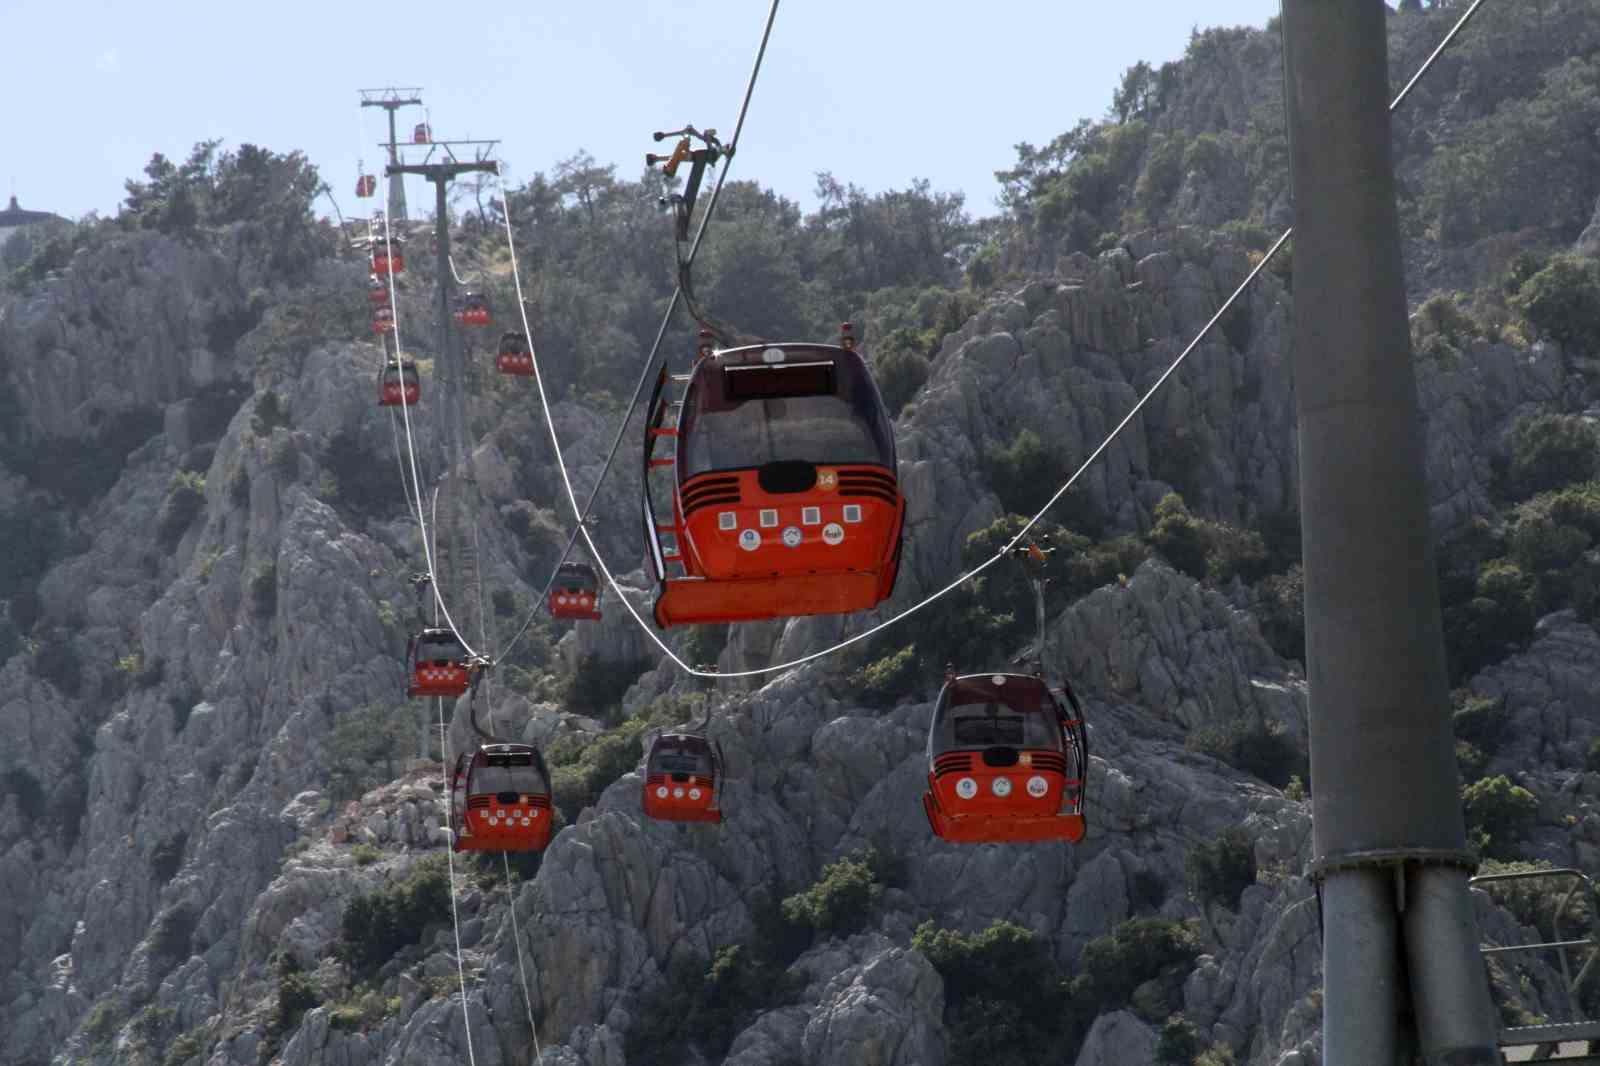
(210, 767)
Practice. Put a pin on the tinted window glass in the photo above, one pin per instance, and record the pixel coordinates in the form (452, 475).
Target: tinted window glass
(987, 732)
(808, 410)
(675, 763)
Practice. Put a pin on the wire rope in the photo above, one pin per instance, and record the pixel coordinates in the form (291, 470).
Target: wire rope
(1116, 431)
(661, 331)
(450, 863)
(516, 938)
(582, 513)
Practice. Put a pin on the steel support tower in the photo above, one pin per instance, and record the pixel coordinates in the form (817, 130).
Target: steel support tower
(1403, 980)
(391, 100)
(455, 535)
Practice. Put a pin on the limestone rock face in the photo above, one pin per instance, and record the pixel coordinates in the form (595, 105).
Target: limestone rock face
(219, 757)
(882, 1012)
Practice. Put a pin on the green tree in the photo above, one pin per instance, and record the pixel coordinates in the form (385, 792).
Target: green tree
(1498, 812)
(840, 903)
(1552, 450)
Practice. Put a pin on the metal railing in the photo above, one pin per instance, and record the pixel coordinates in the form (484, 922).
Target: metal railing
(1559, 944)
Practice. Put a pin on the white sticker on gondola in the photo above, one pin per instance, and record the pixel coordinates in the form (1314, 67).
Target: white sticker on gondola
(769, 518)
(749, 540)
(694, 793)
(677, 793)
(1001, 786)
(727, 520)
(772, 355)
(791, 537)
(661, 791)
(966, 788)
(1037, 786)
(534, 813)
(811, 516)
(852, 512)
(833, 533)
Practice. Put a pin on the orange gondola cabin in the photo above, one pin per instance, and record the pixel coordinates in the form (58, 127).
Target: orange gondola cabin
(383, 320)
(683, 779)
(1006, 762)
(514, 357)
(785, 498)
(377, 291)
(472, 310)
(388, 256)
(438, 664)
(500, 800)
(366, 185)
(575, 593)
(421, 134)
(399, 385)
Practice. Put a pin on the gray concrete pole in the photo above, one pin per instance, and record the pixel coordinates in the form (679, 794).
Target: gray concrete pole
(1385, 791)
(1361, 982)
(447, 360)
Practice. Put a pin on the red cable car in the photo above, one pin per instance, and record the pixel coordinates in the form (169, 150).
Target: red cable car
(377, 291)
(785, 498)
(398, 384)
(514, 356)
(366, 185)
(1005, 762)
(575, 593)
(683, 779)
(500, 800)
(438, 664)
(472, 310)
(421, 134)
(383, 320)
(388, 256)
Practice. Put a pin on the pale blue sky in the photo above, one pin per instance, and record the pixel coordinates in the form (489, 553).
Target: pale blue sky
(877, 91)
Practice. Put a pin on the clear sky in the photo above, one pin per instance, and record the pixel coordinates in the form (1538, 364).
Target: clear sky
(877, 91)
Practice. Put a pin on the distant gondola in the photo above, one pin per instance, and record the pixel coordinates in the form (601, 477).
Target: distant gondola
(388, 256)
(683, 779)
(1006, 764)
(500, 799)
(398, 384)
(575, 593)
(472, 310)
(514, 357)
(438, 664)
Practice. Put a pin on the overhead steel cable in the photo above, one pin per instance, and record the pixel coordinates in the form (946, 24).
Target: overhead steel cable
(450, 865)
(648, 370)
(1205, 330)
(522, 969)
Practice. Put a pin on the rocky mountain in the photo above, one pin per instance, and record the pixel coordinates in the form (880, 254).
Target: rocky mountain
(220, 820)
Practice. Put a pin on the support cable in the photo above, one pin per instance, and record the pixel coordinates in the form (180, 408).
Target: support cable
(649, 631)
(516, 938)
(648, 369)
(1116, 431)
(963, 578)
(450, 863)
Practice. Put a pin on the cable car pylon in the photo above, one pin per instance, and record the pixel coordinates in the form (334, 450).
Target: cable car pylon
(391, 100)
(458, 565)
